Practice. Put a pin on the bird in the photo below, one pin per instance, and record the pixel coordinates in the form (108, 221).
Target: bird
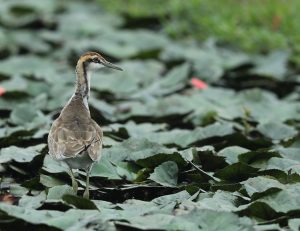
(74, 137)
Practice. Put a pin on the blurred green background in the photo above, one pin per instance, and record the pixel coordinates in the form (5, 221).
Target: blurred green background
(252, 25)
(201, 129)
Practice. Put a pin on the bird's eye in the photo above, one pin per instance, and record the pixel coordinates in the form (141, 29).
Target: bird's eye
(95, 60)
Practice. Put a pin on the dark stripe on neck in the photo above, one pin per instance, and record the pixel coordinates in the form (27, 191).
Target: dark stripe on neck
(84, 67)
(82, 82)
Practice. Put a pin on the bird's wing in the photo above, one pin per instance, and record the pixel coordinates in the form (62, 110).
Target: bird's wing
(95, 147)
(67, 140)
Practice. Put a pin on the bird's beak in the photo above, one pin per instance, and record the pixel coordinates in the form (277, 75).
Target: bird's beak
(113, 66)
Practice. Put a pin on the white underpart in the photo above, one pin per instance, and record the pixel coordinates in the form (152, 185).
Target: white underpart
(70, 100)
(94, 66)
(90, 69)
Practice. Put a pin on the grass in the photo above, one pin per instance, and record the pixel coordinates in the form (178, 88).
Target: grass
(253, 25)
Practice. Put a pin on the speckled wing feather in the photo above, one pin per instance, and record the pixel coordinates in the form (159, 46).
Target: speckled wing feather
(69, 139)
(96, 146)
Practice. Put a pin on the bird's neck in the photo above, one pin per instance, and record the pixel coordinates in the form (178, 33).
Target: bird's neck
(83, 76)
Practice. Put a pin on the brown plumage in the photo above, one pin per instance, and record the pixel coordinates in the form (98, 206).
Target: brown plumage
(72, 133)
(74, 136)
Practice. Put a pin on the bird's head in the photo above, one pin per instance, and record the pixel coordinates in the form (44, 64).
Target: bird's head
(93, 60)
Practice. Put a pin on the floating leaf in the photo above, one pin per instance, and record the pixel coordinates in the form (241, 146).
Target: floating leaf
(277, 131)
(57, 192)
(165, 174)
(22, 155)
(258, 185)
(231, 153)
(284, 201)
(105, 169)
(79, 202)
(273, 65)
(220, 201)
(32, 201)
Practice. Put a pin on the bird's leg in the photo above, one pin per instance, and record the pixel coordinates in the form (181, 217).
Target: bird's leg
(74, 182)
(86, 193)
